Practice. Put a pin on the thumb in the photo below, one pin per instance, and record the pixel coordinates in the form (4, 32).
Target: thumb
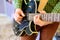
(20, 12)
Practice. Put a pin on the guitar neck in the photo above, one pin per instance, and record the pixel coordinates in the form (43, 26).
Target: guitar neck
(46, 17)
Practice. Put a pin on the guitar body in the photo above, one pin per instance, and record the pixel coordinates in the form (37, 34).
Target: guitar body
(48, 31)
(26, 26)
(26, 37)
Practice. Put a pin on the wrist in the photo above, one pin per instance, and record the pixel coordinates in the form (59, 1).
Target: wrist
(41, 23)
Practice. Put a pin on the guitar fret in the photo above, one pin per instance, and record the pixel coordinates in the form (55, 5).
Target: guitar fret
(47, 17)
(44, 17)
(55, 17)
(59, 17)
(51, 17)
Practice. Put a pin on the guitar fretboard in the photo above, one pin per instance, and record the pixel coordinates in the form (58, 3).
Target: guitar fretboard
(54, 17)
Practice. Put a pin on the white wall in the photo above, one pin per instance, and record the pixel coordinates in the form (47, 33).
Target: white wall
(2, 7)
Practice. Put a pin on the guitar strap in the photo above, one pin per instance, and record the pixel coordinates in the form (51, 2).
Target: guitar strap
(42, 4)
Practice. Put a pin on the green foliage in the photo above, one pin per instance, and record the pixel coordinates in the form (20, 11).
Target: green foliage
(50, 5)
(48, 8)
(17, 3)
(52, 2)
(56, 8)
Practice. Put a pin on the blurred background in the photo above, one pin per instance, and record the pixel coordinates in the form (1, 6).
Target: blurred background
(6, 32)
(2, 6)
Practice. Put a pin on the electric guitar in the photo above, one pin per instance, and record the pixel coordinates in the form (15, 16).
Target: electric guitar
(29, 27)
(23, 28)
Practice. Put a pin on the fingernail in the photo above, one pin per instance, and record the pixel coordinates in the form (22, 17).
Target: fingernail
(23, 14)
(19, 22)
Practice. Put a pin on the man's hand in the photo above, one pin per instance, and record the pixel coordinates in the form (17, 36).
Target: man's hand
(18, 16)
(38, 21)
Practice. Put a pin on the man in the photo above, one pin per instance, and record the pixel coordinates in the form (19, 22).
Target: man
(44, 25)
(37, 21)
